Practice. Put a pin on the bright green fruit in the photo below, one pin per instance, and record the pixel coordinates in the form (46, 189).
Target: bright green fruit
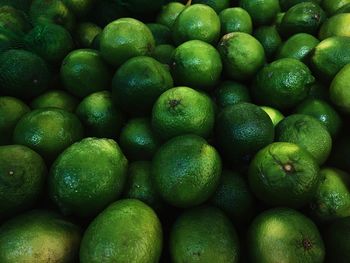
(164, 53)
(85, 34)
(99, 116)
(11, 111)
(50, 41)
(337, 25)
(169, 13)
(161, 33)
(230, 92)
(183, 110)
(284, 235)
(126, 231)
(196, 22)
(196, 64)
(322, 111)
(217, 5)
(241, 130)
(282, 84)
(275, 115)
(186, 170)
(88, 176)
(263, 12)
(138, 83)
(23, 74)
(284, 174)
(242, 55)
(269, 38)
(234, 197)
(308, 133)
(48, 131)
(125, 38)
(332, 199)
(340, 89)
(83, 72)
(39, 236)
(23, 174)
(137, 139)
(204, 234)
(235, 19)
(55, 99)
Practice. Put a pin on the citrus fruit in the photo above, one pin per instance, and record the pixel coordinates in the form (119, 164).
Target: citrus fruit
(235, 19)
(336, 25)
(126, 231)
(275, 115)
(286, 4)
(331, 6)
(186, 170)
(13, 20)
(217, 5)
(85, 34)
(169, 13)
(262, 12)
(269, 38)
(183, 110)
(231, 92)
(80, 8)
(161, 33)
(88, 176)
(284, 174)
(164, 53)
(340, 89)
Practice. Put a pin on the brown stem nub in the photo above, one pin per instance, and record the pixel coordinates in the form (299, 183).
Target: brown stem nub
(288, 168)
(307, 244)
(189, 2)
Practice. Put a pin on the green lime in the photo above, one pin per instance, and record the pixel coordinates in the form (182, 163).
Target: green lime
(284, 174)
(83, 72)
(126, 231)
(48, 131)
(14, 20)
(332, 6)
(330, 56)
(138, 83)
(52, 12)
(55, 99)
(298, 46)
(86, 33)
(39, 236)
(183, 110)
(161, 33)
(11, 111)
(99, 116)
(284, 235)
(169, 13)
(308, 133)
(344, 9)
(23, 74)
(340, 89)
(196, 22)
(140, 185)
(10, 40)
(125, 38)
(332, 199)
(164, 53)
(217, 5)
(80, 8)
(282, 84)
(323, 112)
(305, 17)
(196, 64)
(234, 197)
(231, 92)
(241, 130)
(204, 234)
(138, 140)
(51, 42)
(235, 19)
(275, 115)
(22, 173)
(269, 38)
(337, 240)
(242, 55)
(88, 176)
(278, 20)
(186, 170)
(286, 4)
(263, 12)
(337, 25)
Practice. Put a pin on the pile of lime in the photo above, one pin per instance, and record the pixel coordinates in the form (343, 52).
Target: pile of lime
(145, 131)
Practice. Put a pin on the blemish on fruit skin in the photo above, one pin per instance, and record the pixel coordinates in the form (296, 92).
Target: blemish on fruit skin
(174, 102)
(11, 173)
(288, 168)
(307, 244)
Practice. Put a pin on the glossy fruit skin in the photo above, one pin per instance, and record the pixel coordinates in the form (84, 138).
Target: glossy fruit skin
(282, 84)
(169, 13)
(298, 239)
(87, 177)
(22, 173)
(39, 236)
(336, 25)
(13, 20)
(83, 71)
(235, 19)
(55, 99)
(129, 229)
(196, 64)
(286, 4)
(340, 90)
(196, 22)
(231, 92)
(86, 33)
(161, 33)
(164, 53)
(308, 133)
(283, 174)
(217, 5)
(242, 55)
(23, 74)
(262, 12)
(48, 131)
(332, 6)
(80, 8)
(275, 115)
(205, 234)
(183, 110)
(186, 170)
(138, 83)
(241, 130)
(270, 39)
(125, 38)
